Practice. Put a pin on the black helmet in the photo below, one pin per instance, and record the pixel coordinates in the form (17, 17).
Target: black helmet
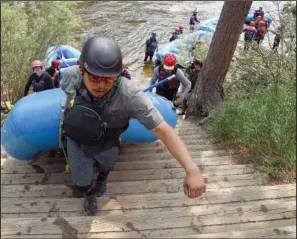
(101, 57)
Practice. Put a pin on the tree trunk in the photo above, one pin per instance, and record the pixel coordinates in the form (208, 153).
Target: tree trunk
(208, 91)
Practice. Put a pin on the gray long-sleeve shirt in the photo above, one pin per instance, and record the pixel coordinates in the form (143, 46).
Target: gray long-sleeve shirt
(180, 76)
(72, 80)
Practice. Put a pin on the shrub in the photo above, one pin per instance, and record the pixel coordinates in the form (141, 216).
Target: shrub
(259, 113)
(28, 29)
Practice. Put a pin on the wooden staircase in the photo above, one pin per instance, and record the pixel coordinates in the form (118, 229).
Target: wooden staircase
(145, 199)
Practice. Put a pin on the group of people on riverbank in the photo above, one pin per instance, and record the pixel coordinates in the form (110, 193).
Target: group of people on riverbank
(255, 30)
(168, 67)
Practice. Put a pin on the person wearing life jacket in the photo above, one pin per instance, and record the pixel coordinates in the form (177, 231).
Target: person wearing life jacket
(151, 45)
(276, 41)
(258, 20)
(175, 34)
(249, 34)
(266, 23)
(261, 23)
(180, 29)
(39, 80)
(54, 72)
(169, 89)
(193, 72)
(193, 20)
(259, 12)
(126, 72)
(99, 105)
(260, 34)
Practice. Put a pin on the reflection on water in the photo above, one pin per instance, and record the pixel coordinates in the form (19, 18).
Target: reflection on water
(130, 23)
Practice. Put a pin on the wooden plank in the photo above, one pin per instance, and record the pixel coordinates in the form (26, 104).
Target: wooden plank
(158, 150)
(190, 130)
(129, 187)
(187, 139)
(191, 145)
(126, 175)
(147, 201)
(172, 232)
(135, 220)
(194, 137)
(58, 165)
(206, 164)
(162, 156)
(277, 232)
(158, 143)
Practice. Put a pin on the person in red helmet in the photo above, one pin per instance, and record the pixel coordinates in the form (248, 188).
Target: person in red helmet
(262, 23)
(169, 89)
(253, 24)
(180, 28)
(249, 34)
(39, 80)
(54, 72)
(266, 22)
(260, 34)
(174, 34)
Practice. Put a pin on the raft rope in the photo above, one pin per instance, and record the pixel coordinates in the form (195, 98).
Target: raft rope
(62, 56)
(67, 167)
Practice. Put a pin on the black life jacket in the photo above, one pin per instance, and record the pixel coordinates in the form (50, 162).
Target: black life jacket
(83, 121)
(170, 85)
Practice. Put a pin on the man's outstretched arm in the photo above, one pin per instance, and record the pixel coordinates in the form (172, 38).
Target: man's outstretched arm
(194, 185)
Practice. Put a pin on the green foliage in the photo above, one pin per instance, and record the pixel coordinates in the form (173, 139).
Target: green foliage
(26, 33)
(199, 52)
(265, 124)
(259, 113)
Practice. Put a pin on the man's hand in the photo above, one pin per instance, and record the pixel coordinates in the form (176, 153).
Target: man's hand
(177, 102)
(194, 185)
(56, 74)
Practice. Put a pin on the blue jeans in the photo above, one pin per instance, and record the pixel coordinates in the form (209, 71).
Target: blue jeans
(82, 167)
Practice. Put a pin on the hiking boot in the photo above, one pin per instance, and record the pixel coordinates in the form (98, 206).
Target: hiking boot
(101, 183)
(90, 204)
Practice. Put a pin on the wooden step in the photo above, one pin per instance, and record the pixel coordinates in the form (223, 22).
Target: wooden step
(124, 175)
(248, 194)
(193, 216)
(158, 150)
(166, 233)
(57, 165)
(166, 155)
(127, 187)
(159, 144)
(277, 232)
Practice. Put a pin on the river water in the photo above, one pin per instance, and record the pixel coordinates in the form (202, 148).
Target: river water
(130, 23)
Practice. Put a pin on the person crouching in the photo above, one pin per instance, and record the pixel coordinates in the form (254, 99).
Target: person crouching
(169, 89)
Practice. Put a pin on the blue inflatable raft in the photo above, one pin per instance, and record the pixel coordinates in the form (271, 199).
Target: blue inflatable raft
(205, 31)
(67, 55)
(32, 126)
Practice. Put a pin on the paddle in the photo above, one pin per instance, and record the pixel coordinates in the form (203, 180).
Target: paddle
(159, 83)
